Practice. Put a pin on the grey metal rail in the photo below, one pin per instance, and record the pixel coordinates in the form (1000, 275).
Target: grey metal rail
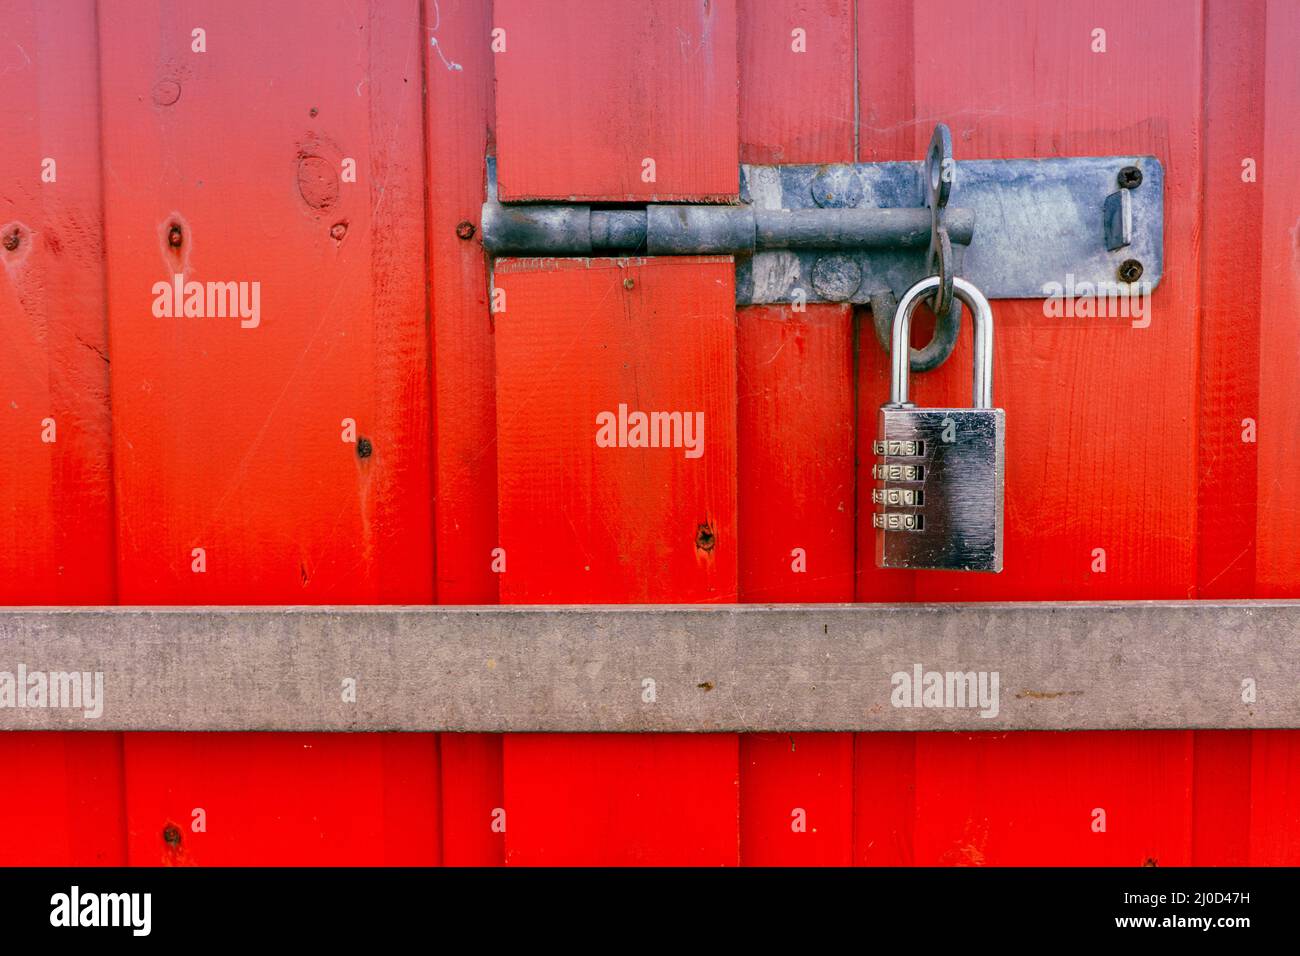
(995, 667)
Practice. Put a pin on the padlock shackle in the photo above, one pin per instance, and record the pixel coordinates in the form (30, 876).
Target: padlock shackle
(900, 346)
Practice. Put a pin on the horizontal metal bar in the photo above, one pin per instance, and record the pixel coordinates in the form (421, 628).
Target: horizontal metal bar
(857, 228)
(660, 230)
(1060, 666)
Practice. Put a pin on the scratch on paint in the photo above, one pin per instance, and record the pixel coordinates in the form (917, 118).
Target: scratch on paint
(433, 41)
(1295, 248)
(18, 69)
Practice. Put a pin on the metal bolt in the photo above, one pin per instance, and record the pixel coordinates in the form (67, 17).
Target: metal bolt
(338, 231)
(835, 278)
(175, 237)
(465, 229)
(629, 283)
(12, 240)
(704, 538)
(172, 835)
(1130, 270)
(1130, 177)
(313, 111)
(364, 448)
(837, 187)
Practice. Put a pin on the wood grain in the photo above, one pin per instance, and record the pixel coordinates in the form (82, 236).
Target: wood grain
(56, 518)
(1231, 238)
(582, 523)
(458, 131)
(230, 438)
(579, 338)
(588, 90)
(1275, 757)
(227, 438)
(1278, 561)
(282, 799)
(796, 92)
(56, 532)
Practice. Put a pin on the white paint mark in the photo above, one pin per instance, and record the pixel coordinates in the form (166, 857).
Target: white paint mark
(18, 69)
(433, 41)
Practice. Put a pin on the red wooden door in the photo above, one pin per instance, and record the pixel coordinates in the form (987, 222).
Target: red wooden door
(1143, 462)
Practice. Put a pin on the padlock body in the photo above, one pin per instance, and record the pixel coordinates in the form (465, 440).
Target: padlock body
(937, 488)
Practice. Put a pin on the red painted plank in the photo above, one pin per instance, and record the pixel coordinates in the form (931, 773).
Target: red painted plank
(230, 432)
(615, 800)
(1084, 471)
(1279, 298)
(459, 109)
(580, 340)
(282, 799)
(796, 799)
(55, 517)
(459, 106)
(63, 804)
(1275, 804)
(589, 90)
(473, 799)
(795, 435)
(56, 537)
(1235, 100)
(887, 117)
(884, 799)
(1275, 763)
(1084, 799)
(1026, 83)
(582, 522)
(1221, 784)
(796, 81)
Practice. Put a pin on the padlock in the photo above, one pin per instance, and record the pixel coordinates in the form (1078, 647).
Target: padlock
(939, 472)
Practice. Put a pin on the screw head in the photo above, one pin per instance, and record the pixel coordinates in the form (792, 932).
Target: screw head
(1130, 270)
(172, 835)
(629, 283)
(364, 448)
(338, 231)
(12, 240)
(1130, 177)
(465, 229)
(175, 237)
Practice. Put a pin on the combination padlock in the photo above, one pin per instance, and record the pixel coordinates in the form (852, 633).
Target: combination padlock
(939, 471)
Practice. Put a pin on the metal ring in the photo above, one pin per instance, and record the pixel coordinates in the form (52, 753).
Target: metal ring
(938, 186)
(940, 347)
(938, 262)
(939, 153)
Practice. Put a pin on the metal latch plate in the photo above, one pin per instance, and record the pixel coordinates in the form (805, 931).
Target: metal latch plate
(1040, 228)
